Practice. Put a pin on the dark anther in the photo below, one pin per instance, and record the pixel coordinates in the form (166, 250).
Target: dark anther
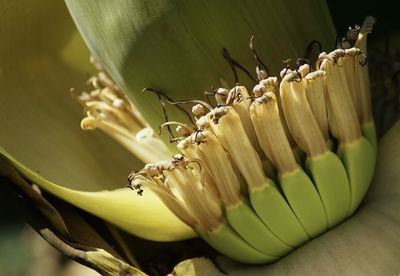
(139, 189)
(170, 100)
(129, 186)
(260, 65)
(310, 47)
(238, 97)
(233, 64)
(234, 97)
(132, 186)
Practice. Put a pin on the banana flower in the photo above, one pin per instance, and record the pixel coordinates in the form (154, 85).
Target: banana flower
(72, 183)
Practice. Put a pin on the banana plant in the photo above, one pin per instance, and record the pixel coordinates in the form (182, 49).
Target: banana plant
(281, 168)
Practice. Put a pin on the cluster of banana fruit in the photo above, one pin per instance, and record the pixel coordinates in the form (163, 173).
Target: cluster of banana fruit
(261, 174)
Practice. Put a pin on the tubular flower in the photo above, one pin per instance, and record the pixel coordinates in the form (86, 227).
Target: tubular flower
(108, 109)
(260, 175)
(267, 164)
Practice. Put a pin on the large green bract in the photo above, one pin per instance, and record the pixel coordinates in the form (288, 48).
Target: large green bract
(176, 46)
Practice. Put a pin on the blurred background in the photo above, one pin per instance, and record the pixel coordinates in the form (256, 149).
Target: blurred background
(23, 252)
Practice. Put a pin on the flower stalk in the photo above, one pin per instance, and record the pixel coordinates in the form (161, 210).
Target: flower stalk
(230, 190)
(108, 109)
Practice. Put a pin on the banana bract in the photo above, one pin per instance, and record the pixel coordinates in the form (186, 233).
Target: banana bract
(177, 46)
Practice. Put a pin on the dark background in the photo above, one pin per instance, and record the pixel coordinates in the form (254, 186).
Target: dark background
(346, 13)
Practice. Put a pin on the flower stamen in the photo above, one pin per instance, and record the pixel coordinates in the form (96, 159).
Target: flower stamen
(108, 109)
(261, 69)
(233, 64)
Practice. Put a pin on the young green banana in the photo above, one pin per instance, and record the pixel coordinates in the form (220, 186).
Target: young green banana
(289, 134)
(305, 201)
(240, 216)
(369, 132)
(356, 152)
(358, 158)
(230, 133)
(197, 208)
(323, 166)
(363, 83)
(249, 226)
(274, 211)
(330, 178)
(228, 242)
(296, 185)
(320, 164)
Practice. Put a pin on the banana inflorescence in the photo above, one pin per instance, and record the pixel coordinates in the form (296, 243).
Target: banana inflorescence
(263, 173)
